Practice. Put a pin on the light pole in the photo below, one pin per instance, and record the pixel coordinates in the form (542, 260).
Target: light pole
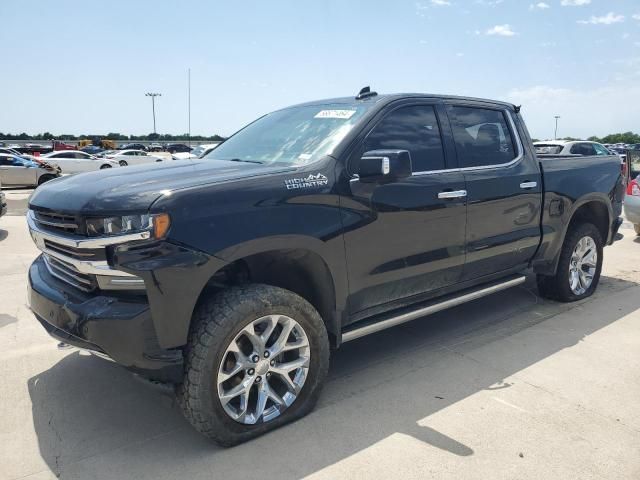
(153, 106)
(555, 135)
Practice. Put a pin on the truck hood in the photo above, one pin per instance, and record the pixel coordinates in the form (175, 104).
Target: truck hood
(134, 189)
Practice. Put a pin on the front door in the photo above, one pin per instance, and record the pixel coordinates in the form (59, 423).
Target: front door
(504, 188)
(405, 238)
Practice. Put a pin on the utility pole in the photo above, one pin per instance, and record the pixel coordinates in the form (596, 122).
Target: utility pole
(555, 135)
(189, 102)
(153, 106)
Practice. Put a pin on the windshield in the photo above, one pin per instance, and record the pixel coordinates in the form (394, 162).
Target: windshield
(294, 136)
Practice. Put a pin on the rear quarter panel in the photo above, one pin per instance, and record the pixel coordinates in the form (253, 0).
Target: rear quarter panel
(570, 183)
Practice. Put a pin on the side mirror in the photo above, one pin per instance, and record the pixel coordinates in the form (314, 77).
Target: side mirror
(384, 165)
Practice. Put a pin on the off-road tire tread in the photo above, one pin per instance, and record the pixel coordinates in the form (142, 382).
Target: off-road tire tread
(220, 313)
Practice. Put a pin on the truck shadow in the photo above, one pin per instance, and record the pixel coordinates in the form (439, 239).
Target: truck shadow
(94, 420)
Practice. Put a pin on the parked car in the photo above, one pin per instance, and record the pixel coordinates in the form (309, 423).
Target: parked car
(33, 149)
(32, 158)
(234, 276)
(155, 147)
(198, 152)
(3, 200)
(134, 157)
(18, 171)
(133, 146)
(632, 200)
(177, 148)
(75, 161)
(92, 149)
(584, 148)
(579, 148)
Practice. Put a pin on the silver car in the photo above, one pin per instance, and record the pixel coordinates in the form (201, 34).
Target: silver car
(18, 171)
(632, 199)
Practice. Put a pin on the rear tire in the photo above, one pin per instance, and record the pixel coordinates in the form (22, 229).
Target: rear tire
(217, 325)
(636, 227)
(577, 276)
(123, 163)
(105, 166)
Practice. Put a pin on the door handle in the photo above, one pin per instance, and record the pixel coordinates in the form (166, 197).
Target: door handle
(452, 194)
(528, 185)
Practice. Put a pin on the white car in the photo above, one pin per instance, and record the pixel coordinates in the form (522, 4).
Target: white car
(134, 157)
(75, 161)
(579, 147)
(198, 152)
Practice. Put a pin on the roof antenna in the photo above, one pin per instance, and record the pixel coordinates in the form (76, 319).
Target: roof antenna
(365, 92)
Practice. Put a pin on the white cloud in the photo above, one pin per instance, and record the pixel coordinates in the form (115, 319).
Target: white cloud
(441, 3)
(636, 16)
(501, 30)
(489, 3)
(539, 6)
(574, 3)
(584, 112)
(608, 19)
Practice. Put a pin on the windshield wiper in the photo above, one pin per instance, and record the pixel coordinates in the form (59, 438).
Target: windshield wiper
(246, 161)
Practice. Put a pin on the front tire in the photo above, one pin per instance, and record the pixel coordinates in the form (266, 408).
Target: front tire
(579, 267)
(123, 163)
(256, 359)
(45, 178)
(105, 166)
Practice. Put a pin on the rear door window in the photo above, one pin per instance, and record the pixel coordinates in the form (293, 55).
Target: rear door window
(413, 128)
(583, 149)
(482, 136)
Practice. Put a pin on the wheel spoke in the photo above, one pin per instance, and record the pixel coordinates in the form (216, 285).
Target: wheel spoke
(279, 345)
(256, 340)
(224, 376)
(263, 396)
(240, 389)
(292, 365)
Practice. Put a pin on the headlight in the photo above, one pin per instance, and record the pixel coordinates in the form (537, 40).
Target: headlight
(158, 225)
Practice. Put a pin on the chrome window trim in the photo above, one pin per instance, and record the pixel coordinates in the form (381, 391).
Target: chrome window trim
(520, 156)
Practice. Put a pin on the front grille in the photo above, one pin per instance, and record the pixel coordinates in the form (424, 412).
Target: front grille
(57, 222)
(92, 254)
(68, 273)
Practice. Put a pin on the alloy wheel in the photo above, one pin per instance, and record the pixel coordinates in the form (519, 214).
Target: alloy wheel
(583, 265)
(263, 369)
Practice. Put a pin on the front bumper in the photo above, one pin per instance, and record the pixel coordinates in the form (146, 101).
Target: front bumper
(118, 326)
(632, 209)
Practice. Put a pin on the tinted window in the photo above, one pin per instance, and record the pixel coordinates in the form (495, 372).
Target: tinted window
(414, 129)
(583, 149)
(482, 137)
(6, 160)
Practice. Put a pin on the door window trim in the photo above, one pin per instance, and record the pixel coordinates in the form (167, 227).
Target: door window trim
(516, 137)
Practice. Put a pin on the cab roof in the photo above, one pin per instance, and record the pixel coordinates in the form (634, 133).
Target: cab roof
(383, 99)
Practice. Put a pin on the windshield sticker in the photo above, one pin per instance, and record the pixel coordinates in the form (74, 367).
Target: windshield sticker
(317, 180)
(341, 114)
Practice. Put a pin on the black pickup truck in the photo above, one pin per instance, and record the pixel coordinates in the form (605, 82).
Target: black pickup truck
(233, 276)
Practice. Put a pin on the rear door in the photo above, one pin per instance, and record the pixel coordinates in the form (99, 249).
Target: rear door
(504, 189)
(403, 239)
(13, 171)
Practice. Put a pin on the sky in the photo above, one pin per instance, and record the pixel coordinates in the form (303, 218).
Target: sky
(84, 66)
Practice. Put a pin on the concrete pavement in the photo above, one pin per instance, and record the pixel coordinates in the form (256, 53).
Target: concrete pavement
(510, 386)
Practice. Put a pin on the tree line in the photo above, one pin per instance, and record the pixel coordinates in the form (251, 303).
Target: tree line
(111, 136)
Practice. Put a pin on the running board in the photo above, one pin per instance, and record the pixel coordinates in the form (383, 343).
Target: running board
(377, 326)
